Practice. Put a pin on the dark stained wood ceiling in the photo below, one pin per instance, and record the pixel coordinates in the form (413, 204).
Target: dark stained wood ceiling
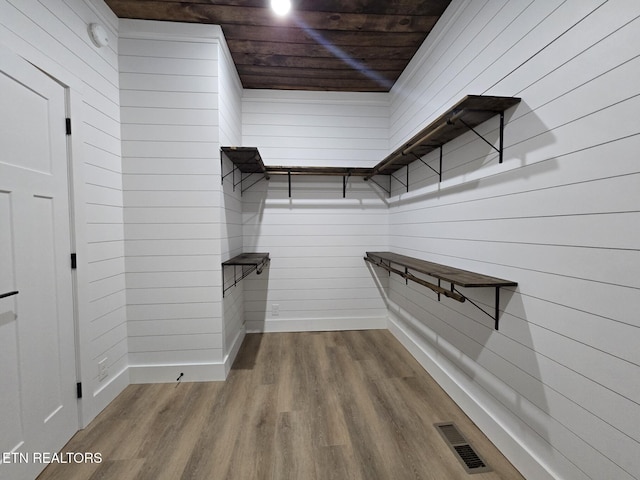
(340, 45)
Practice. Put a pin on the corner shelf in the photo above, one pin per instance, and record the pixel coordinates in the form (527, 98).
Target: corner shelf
(247, 161)
(465, 115)
(454, 276)
(248, 262)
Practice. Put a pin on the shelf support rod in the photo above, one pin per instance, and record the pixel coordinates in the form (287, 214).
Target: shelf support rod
(344, 184)
(450, 121)
(501, 138)
(409, 148)
(408, 178)
(497, 307)
(408, 276)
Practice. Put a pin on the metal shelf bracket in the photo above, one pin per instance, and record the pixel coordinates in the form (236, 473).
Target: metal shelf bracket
(437, 172)
(495, 316)
(386, 189)
(500, 149)
(243, 177)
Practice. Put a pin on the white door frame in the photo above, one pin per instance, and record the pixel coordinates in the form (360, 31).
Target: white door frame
(77, 221)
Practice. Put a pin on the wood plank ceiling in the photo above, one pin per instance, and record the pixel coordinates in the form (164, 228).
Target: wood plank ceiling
(339, 45)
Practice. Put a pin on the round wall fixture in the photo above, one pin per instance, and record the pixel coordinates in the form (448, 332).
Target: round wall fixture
(98, 35)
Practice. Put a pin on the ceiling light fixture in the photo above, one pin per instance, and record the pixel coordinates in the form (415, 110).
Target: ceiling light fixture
(281, 7)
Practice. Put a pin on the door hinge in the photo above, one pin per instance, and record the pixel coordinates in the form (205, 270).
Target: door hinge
(68, 125)
(74, 261)
(79, 389)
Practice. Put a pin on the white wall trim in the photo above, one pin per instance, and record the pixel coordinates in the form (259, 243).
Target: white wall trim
(475, 403)
(317, 324)
(170, 31)
(233, 351)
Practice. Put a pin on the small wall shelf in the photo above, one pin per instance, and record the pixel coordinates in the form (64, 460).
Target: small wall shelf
(465, 115)
(453, 276)
(243, 265)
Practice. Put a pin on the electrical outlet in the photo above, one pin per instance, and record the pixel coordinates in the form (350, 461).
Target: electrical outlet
(275, 309)
(103, 369)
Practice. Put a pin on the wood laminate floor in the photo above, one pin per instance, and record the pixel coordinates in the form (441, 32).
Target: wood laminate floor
(301, 406)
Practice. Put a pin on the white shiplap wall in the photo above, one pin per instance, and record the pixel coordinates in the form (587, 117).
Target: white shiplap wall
(316, 128)
(53, 36)
(559, 216)
(231, 225)
(316, 239)
(170, 129)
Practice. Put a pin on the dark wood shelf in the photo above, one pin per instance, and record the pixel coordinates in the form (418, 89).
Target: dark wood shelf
(330, 171)
(457, 276)
(453, 276)
(246, 159)
(246, 263)
(465, 115)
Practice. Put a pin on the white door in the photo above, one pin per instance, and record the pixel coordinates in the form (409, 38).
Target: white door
(38, 405)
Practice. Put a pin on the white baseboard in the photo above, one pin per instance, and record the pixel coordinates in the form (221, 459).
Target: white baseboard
(192, 372)
(492, 419)
(201, 372)
(318, 324)
(233, 351)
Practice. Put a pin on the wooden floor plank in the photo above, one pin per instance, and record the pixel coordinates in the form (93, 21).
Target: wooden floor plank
(313, 406)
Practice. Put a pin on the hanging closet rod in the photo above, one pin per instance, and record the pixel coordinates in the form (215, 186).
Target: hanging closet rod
(413, 278)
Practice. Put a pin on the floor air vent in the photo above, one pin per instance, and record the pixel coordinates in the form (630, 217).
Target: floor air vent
(463, 451)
